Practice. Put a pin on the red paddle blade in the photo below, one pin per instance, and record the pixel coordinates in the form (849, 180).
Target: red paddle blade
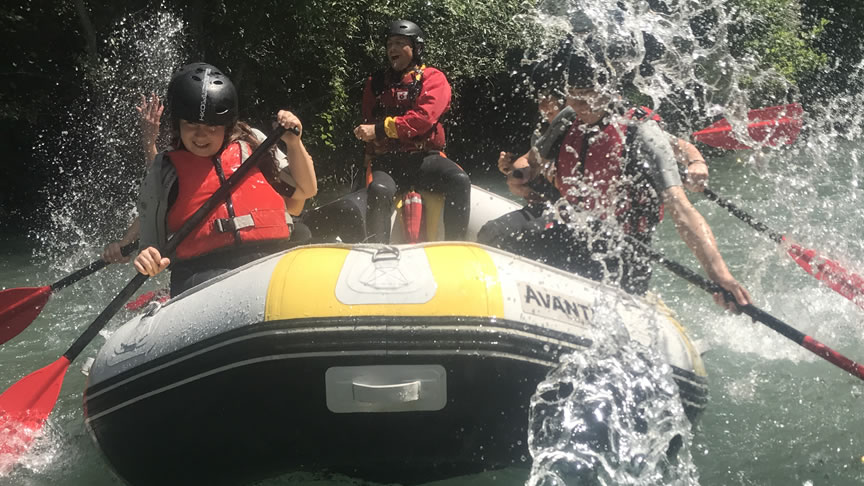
(19, 307)
(412, 216)
(845, 283)
(772, 126)
(160, 295)
(25, 407)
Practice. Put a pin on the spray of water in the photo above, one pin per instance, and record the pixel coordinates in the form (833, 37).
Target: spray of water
(811, 191)
(97, 156)
(98, 162)
(672, 55)
(684, 69)
(610, 415)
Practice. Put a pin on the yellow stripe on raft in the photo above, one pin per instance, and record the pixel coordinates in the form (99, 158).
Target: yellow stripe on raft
(304, 282)
(698, 364)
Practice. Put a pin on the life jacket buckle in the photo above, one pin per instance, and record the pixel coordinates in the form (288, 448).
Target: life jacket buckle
(226, 225)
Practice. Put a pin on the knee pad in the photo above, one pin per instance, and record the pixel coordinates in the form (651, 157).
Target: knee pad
(459, 178)
(381, 190)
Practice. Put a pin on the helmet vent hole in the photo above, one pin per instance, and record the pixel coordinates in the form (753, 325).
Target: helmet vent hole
(217, 82)
(196, 78)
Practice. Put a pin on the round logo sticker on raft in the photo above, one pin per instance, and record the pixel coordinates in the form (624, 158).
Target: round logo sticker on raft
(386, 275)
(137, 340)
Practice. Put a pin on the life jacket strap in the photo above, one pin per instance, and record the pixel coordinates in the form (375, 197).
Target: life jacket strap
(237, 223)
(225, 225)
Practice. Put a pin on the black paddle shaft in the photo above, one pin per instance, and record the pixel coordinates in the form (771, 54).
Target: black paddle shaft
(214, 200)
(95, 266)
(711, 287)
(743, 216)
(787, 331)
(754, 312)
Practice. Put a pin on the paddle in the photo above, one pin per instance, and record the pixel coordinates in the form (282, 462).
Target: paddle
(776, 125)
(551, 194)
(842, 281)
(781, 124)
(142, 300)
(757, 314)
(19, 307)
(25, 406)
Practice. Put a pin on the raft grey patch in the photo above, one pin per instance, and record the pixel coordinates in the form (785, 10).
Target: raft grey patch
(386, 276)
(137, 342)
(541, 302)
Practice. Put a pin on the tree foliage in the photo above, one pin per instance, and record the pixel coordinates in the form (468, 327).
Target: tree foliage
(841, 42)
(312, 56)
(773, 31)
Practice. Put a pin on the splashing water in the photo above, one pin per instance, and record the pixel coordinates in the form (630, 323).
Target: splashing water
(811, 189)
(610, 415)
(674, 53)
(766, 389)
(24, 448)
(607, 416)
(98, 164)
(97, 154)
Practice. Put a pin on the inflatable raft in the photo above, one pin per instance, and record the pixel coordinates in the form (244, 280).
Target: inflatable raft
(400, 363)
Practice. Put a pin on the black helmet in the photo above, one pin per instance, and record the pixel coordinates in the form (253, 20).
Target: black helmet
(565, 68)
(201, 93)
(412, 31)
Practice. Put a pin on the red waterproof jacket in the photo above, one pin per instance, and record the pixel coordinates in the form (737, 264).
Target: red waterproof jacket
(407, 111)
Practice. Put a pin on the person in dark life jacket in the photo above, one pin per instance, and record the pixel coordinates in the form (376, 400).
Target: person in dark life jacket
(618, 172)
(209, 144)
(402, 110)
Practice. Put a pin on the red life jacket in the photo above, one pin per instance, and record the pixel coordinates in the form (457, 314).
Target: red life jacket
(252, 212)
(423, 87)
(599, 162)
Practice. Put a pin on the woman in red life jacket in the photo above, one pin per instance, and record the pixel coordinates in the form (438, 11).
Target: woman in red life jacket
(210, 145)
(402, 110)
(617, 168)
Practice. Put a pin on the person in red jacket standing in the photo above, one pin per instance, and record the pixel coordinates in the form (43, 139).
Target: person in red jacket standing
(402, 110)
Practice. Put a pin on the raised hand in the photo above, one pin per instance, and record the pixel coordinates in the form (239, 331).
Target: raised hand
(288, 121)
(151, 112)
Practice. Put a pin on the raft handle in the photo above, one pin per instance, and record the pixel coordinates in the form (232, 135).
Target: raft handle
(396, 393)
